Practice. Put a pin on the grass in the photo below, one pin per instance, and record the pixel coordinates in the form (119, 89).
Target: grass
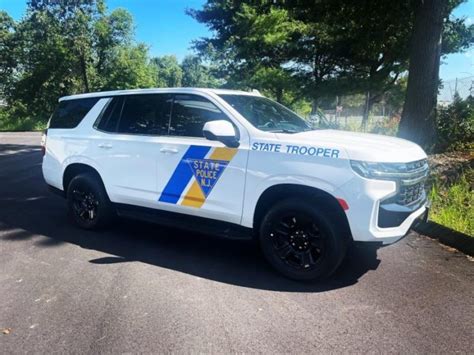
(453, 205)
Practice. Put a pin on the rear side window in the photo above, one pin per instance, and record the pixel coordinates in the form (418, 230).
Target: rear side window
(71, 112)
(146, 114)
(109, 119)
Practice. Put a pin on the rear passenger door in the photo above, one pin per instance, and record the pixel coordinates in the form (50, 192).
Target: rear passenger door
(195, 175)
(130, 134)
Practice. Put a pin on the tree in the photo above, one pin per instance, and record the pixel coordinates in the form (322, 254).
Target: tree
(343, 46)
(168, 71)
(196, 74)
(128, 68)
(65, 47)
(7, 46)
(249, 44)
(72, 22)
(419, 112)
(372, 43)
(110, 32)
(325, 48)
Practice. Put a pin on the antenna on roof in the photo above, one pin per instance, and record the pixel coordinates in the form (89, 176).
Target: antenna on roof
(255, 91)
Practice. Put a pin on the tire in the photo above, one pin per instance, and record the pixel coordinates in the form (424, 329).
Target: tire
(88, 204)
(303, 240)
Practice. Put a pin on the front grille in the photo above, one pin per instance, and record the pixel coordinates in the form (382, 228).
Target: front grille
(411, 184)
(410, 194)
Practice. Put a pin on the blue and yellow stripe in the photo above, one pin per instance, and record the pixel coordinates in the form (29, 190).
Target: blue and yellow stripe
(182, 175)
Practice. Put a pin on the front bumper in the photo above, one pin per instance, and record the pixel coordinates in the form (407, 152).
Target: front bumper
(368, 216)
(392, 215)
(393, 234)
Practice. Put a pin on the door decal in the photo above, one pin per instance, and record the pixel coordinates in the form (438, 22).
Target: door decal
(205, 173)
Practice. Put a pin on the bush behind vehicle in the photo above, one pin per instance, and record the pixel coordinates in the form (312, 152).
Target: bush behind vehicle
(455, 125)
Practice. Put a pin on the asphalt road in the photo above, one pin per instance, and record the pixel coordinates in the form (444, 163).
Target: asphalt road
(144, 288)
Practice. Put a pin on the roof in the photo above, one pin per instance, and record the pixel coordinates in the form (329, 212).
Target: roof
(159, 90)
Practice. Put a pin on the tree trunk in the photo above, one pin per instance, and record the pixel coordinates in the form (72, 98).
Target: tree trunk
(279, 95)
(314, 107)
(367, 108)
(84, 73)
(419, 111)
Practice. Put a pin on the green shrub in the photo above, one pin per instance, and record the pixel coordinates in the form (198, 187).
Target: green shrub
(455, 125)
(16, 118)
(453, 205)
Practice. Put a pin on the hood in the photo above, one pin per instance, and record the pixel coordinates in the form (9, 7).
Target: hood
(360, 146)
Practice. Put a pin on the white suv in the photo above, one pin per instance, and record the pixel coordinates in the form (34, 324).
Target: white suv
(236, 164)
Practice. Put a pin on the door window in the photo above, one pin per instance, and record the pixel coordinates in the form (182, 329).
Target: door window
(190, 113)
(145, 114)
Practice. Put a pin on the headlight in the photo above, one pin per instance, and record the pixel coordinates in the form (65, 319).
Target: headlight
(381, 171)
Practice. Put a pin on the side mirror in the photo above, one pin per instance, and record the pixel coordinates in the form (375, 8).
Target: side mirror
(222, 131)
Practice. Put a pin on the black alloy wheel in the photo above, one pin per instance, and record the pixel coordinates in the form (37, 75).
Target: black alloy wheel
(89, 205)
(85, 203)
(297, 240)
(304, 239)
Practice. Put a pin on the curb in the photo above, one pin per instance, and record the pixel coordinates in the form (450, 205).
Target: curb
(447, 236)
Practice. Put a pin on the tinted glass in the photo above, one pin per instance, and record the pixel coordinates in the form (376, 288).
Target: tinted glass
(190, 113)
(266, 115)
(71, 112)
(146, 114)
(108, 121)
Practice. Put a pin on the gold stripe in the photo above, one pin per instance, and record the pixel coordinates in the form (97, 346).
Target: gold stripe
(223, 154)
(195, 197)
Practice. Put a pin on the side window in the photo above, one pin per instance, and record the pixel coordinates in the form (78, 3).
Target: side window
(145, 114)
(109, 119)
(71, 112)
(190, 113)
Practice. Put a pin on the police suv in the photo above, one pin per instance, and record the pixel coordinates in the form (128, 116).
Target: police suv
(236, 164)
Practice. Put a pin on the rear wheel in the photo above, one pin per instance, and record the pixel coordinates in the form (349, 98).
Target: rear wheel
(88, 203)
(303, 240)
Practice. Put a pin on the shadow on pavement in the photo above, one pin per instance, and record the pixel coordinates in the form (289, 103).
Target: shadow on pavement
(27, 210)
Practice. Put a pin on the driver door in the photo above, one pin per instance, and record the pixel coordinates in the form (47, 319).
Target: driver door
(197, 176)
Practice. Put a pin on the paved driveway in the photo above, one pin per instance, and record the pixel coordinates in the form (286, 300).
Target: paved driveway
(144, 288)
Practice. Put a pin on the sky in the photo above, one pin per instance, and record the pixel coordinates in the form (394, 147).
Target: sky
(165, 27)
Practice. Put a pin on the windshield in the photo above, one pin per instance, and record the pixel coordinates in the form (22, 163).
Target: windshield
(266, 115)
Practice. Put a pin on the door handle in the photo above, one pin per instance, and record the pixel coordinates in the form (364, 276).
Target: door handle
(105, 145)
(169, 150)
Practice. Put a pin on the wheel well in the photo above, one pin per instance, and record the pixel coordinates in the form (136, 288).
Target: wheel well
(74, 170)
(280, 192)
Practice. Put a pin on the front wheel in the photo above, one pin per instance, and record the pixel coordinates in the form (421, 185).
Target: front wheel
(303, 240)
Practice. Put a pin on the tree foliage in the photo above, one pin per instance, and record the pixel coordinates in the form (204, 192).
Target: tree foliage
(305, 53)
(455, 125)
(65, 47)
(168, 71)
(318, 49)
(72, 46)
(196, 74)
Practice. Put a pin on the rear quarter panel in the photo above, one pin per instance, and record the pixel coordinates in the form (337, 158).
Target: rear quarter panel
(68, 146)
